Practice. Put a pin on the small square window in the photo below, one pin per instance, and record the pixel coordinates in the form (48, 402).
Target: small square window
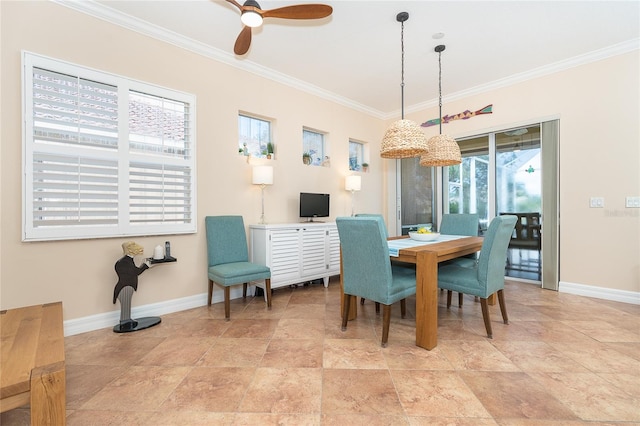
(314, 151)
(356, 155)
(254, 136)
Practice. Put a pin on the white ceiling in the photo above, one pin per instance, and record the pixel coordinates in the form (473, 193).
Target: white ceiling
(354, 55)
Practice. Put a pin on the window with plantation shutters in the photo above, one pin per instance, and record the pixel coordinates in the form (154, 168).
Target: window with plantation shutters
(104, 156)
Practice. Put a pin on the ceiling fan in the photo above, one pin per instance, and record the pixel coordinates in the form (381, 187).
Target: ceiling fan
(252, 16)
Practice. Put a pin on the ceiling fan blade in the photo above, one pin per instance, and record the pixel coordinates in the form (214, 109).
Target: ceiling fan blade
(243, 41)
(235, 3)
(301, 11)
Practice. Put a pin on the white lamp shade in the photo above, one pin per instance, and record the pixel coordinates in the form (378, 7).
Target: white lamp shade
(353, 183)
(251, 19)
(262, 175)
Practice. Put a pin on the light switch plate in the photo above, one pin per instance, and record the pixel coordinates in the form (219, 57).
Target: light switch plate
(633, 202)
(596, 202)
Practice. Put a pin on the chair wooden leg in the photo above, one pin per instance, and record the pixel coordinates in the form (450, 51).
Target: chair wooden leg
(403, 308)
(460, 295)
(244, 290)
(345, 310)
(503, 307)
(485, 316)
(210, 293)
(267, 289)
(377, 307)
(362, 300)
(227, 303)
(386, 320)
(449, 298)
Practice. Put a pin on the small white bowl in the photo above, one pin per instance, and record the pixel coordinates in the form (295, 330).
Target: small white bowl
(432, 236)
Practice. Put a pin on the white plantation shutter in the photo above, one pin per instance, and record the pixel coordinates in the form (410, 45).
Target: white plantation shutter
(104, 156)
(74, 191)
(159, 193)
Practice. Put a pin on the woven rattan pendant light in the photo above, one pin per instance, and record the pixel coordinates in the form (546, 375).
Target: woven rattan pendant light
(443, 150)
(404, 139)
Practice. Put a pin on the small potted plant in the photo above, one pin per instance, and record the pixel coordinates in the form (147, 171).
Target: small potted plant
(306, 158)
(269, 150)
(365, 167)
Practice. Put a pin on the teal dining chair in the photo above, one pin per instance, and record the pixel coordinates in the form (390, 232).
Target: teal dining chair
(367, 270)
(228, 259)
(460, 224)
(386, 235)
(487, 276)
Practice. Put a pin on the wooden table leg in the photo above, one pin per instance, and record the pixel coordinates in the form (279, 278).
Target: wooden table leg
(427, 299)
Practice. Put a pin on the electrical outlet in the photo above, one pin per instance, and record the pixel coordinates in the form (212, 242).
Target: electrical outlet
(633, 202)
(596, 202)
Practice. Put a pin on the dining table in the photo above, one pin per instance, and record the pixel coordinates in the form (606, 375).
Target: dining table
(426, 255)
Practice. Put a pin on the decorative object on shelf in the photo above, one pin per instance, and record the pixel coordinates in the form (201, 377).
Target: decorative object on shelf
(404, 139)
(128, 273)
(352, 183)
(269, 150)
(365, 167)
(252, 16)
(465, 115)
(263, 176)
(306, 158)
(443, 149)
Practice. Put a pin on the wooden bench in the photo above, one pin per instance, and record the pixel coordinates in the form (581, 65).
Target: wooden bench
(32, 367)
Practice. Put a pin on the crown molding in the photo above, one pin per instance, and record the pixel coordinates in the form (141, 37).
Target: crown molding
(596, 55)
(89, 7)
(110, 15)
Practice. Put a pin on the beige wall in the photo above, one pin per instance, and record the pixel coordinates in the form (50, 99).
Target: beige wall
(598, 108)
(597, 105)
(81, 273)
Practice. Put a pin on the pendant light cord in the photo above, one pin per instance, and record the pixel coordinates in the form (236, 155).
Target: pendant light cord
(440, 85)
(440, 48)
(402, 69)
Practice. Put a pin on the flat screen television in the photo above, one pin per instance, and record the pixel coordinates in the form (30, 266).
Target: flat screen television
(314, 205)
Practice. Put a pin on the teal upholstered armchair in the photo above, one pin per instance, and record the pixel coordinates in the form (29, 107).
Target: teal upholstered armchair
(367, 270)
(487, 277)
(460, 224)
(228, 259)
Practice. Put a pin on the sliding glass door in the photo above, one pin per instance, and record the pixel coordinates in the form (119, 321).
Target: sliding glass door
(501, 173)
(417, 195)
(519, 192)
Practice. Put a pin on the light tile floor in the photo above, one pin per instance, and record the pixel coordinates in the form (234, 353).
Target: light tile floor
(562, 360)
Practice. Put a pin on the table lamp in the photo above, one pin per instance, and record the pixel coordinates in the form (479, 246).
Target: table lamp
(263, 176)
(353, 183)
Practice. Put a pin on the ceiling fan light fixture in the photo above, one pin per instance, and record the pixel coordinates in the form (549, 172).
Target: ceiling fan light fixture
(251, 18)
(404, 138)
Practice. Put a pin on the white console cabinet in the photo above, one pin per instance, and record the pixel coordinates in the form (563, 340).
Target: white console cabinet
(296, 252)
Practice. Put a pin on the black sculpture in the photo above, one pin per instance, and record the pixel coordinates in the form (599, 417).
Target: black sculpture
(128, 283)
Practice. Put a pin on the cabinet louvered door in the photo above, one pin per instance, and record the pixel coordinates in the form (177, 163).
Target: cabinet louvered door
(334, 250)
(313, 251)
(284, 254)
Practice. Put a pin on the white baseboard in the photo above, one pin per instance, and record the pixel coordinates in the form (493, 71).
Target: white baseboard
(632, 297)
(110, 319)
